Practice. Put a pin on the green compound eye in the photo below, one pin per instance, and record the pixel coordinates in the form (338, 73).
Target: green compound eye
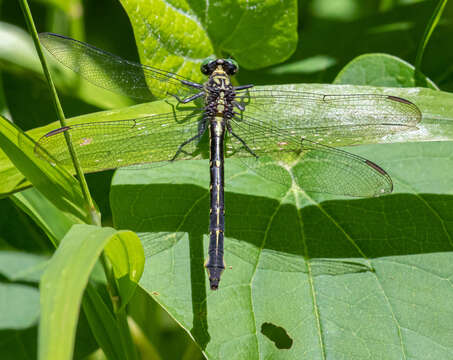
(206, 65)
(233, 62)
(208, 60)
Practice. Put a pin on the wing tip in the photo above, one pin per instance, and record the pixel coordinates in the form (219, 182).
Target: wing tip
(385, 189)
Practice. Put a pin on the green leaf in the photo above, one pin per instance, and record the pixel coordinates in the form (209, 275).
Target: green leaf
(322, 275)
(62, 286)
(55, 183)
(19, 306)
(54, 222)
(17, 266)
(104, 326)
(178, 36)
(125, 252)
(379, 70)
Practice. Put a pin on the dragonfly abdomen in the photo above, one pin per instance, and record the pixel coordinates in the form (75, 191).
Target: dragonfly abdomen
(215, 264)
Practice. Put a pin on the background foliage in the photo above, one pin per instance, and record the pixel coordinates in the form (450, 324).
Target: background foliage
(395, 296)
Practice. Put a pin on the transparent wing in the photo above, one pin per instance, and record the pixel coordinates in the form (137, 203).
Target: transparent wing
(113, 73)
(111, 144)
(314, 167)
(331, 119)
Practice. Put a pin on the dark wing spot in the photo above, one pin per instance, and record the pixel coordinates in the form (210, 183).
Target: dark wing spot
(376, 167)
(401, 100)
(57, 131)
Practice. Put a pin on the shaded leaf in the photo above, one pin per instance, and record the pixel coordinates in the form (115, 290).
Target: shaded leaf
(19, 345)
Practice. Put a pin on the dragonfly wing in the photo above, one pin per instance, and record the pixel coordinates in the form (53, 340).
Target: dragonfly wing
(285, 156)
(331, 119)
(113, 73)
(111, 144)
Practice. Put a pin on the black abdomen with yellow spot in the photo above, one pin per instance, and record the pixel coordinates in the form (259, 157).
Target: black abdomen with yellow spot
(219, 109)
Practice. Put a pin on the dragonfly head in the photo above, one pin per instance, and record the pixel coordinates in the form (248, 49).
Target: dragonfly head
(228, 65)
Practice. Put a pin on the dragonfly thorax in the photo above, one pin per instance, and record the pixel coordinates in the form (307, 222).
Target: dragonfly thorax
(219, 94)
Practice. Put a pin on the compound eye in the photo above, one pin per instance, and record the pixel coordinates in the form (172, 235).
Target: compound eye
(204, 69)
(231, 66)
(207, 65)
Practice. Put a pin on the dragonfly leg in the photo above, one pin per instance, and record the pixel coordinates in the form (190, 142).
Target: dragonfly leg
(239, 106)
(230, 130)
(189, 99)
(243, 87)
(199, 135)
(190, 83)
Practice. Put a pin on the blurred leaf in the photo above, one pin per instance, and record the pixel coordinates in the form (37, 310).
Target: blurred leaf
(343, 10)
(17, 53)
(358, 261)
(178, 36)
(310, 65)
(62, 286)
(19, 306)
(379, 70)
(69, 6)
(21, 266)
(395, 32)
(125, 252)
(55, 183)
(16, 48)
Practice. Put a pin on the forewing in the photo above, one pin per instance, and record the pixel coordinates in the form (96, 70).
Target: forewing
(331, 119)
(284, 156)
(113, 73)
(111, 144)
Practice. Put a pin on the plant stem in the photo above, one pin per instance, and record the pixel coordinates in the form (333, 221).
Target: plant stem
(94, 214)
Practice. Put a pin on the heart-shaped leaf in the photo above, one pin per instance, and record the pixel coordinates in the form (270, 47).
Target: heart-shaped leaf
(183, 34)
(308, 275)
(379, 70)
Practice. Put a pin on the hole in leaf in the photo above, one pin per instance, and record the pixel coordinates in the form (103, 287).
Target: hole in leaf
(277, 334)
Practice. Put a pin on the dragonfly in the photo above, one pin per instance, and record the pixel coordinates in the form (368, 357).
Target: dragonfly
(272, 131)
